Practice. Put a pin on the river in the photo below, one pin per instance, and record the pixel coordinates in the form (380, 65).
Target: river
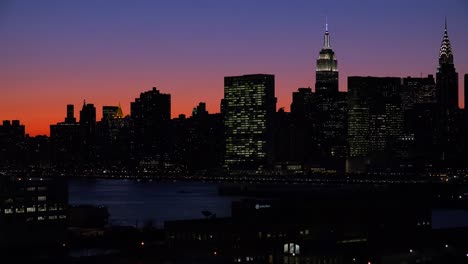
(132, 202)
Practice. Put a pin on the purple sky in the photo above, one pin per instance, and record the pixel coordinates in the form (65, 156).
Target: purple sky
(59, 52)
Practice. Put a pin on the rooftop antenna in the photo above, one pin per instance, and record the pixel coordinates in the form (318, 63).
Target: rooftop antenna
(326, 23)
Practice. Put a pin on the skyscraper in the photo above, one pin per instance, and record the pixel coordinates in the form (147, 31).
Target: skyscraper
(447, 89)
(70, 114)
(65, 140)
(88, 121)
(447, 77)
(326, 74)
(150, 114)
(88, 131)
(250, 105)
(375, 120)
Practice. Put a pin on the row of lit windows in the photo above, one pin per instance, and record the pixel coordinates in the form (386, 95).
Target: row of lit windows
(31, 209)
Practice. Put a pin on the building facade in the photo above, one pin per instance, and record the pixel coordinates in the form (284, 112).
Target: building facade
(375, 120)
(250, 105)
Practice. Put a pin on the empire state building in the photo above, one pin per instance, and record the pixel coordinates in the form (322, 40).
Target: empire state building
(326, 74)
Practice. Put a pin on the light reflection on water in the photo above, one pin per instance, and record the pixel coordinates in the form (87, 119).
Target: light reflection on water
(133, 203)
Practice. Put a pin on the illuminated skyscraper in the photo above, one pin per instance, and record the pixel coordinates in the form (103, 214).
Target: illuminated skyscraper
(250, 105)
(375, 120)
(326, 74)
(447, 77)
(447, 89)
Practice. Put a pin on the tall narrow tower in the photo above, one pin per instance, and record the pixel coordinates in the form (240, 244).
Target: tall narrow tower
(447, 77)
(447, 91)
(326, 74)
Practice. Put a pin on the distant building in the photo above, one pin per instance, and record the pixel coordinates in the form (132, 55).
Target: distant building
(375, 120)
(447, 77)
(418, 91)
(303, 102)
(447, 89)
(250, 105)
(150, 114)
(88, 132)
(113, 136)
(419, 101)
(326, 74)
(12, 135)
(65, 140)
(111, 112)
(70, 114)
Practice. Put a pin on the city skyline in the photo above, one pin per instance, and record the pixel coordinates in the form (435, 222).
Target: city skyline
(46, 92)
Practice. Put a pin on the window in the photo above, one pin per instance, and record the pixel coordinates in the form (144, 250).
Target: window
(8, 211)
(31, 209)
(42, 198)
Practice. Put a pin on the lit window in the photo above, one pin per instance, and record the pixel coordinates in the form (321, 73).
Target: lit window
(31, 209)
(42, 198)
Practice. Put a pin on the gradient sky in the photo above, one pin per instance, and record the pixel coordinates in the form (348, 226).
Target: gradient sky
(59, 52)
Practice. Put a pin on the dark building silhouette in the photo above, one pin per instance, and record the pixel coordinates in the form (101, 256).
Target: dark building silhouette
(375, 120)
(419, 101)
(70, 114)
(250, 106)
(88, 132)
(151, 114)
(12, 135)
(200, 110)
(447, 89)
(198, 141)
(326, 74)
(113, 136)
(65, 141)
(303, 141)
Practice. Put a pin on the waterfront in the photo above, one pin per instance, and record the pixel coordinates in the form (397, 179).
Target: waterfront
(132, 202)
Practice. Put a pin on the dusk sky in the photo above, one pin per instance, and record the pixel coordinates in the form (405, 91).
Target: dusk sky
(58, 52)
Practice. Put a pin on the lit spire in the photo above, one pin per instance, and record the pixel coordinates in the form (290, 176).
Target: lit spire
(119, 113)
(445, 52)
(326, 44)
